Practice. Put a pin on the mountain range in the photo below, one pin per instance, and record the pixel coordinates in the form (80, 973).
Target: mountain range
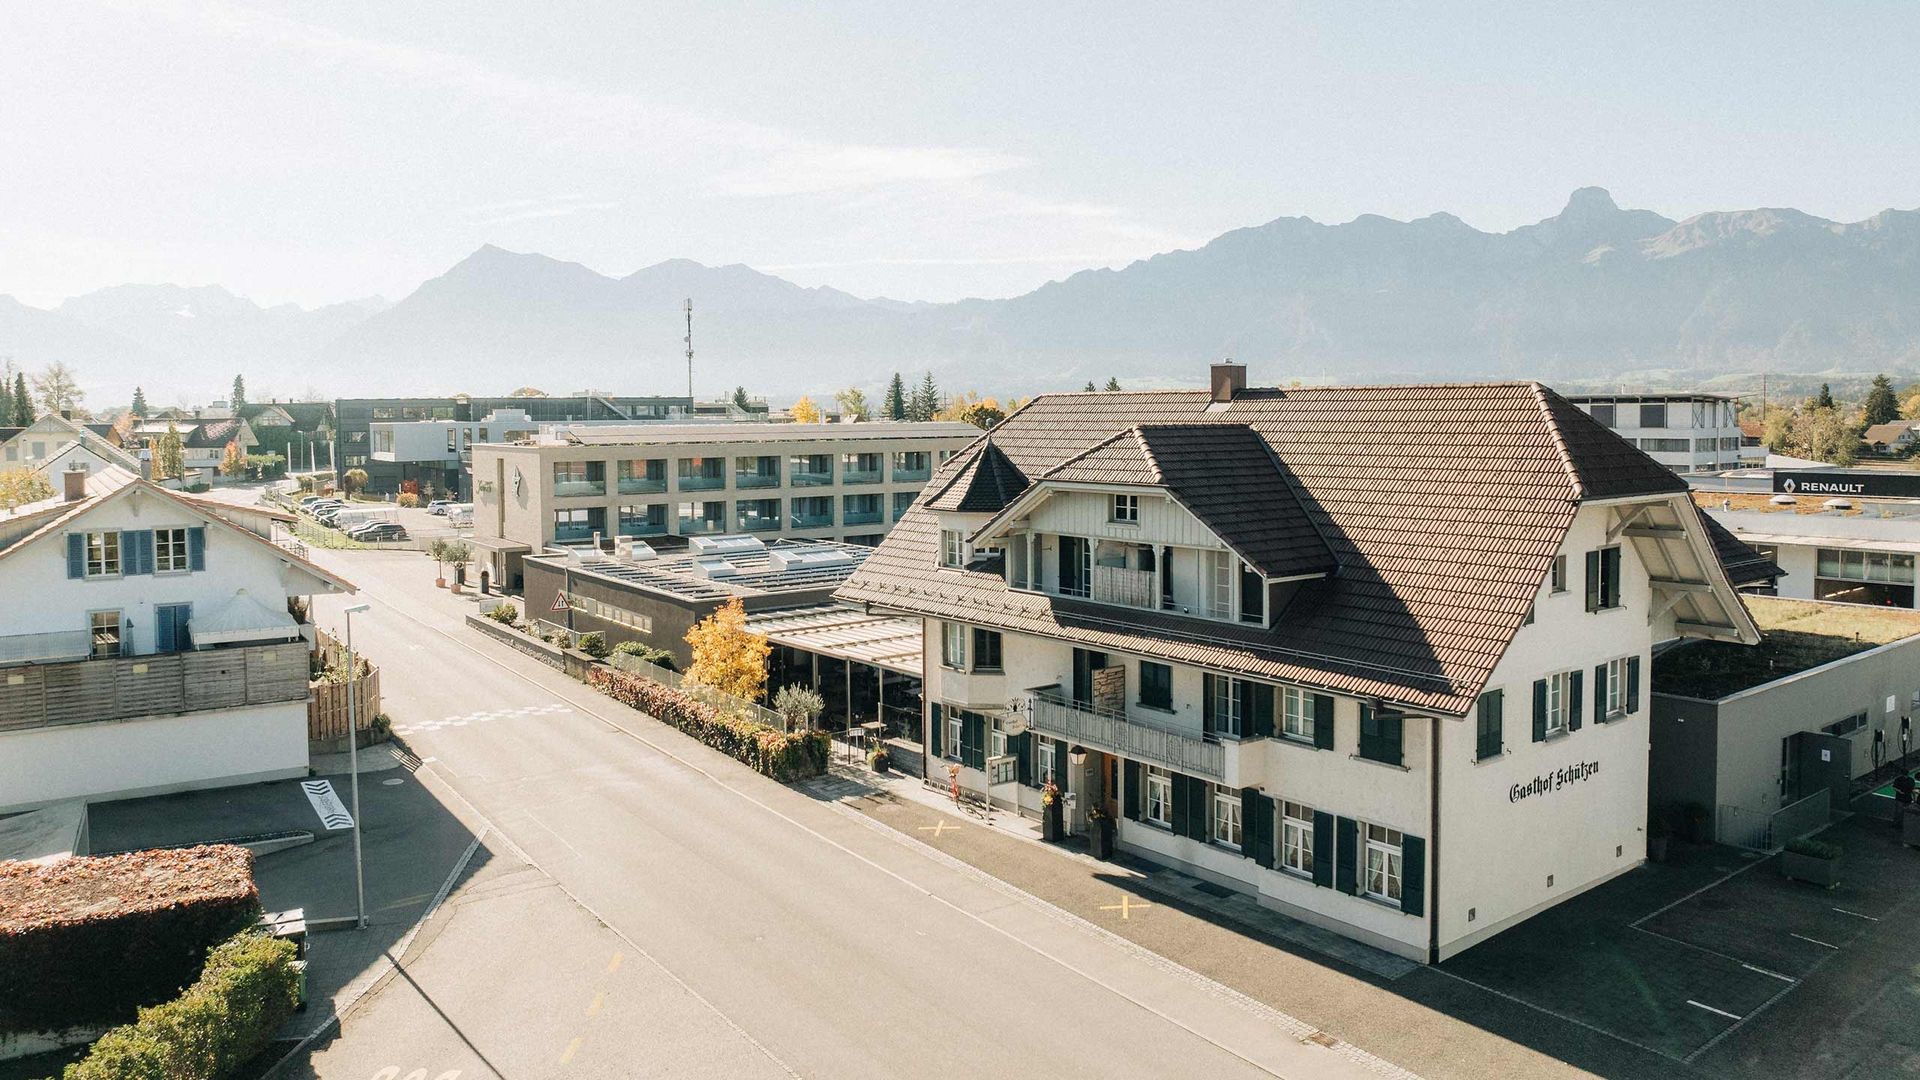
(1594, 295)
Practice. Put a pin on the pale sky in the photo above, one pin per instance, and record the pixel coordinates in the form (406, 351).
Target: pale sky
(317, 152)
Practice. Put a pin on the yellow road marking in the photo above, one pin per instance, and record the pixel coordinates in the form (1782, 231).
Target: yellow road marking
(939, 827)
(1126, 906)
(572, 1049)
(613, 965)
(599, 1000)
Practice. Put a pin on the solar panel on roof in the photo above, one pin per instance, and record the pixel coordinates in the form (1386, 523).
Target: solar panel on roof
(714, 545)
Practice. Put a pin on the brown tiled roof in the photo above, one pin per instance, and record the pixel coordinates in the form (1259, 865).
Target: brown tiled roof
(1745, 566)
(980, 480)
(1443, 531)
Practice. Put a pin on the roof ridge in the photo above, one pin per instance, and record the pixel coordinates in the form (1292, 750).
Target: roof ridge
(1146, 451)
(1541, 394)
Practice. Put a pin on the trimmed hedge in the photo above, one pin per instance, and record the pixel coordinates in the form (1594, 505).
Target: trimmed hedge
(247, 990)
(89, 940)
(656, 657)
(784, 756)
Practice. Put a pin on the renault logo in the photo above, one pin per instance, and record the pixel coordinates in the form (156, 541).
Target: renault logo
(1788, 486)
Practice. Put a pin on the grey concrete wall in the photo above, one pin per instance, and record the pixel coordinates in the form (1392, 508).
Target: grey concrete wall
(1682, 754)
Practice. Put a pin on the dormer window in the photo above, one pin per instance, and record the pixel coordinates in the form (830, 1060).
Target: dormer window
(953, 549)
(1126, 509)
(1253, 595)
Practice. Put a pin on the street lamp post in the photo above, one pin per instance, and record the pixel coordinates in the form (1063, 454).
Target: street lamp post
(353, 767)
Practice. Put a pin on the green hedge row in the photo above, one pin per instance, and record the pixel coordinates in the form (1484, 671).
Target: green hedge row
(783, 756)
(247, 990)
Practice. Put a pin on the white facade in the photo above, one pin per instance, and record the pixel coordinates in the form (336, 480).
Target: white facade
(146, 646)
(1485, 832)
(1866, 559)
(1688, 433)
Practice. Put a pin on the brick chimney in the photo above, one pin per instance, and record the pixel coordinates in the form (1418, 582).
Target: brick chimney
(75, 478)
(1227, 379)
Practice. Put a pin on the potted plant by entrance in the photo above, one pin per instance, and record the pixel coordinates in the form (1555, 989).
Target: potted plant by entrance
(1657, 839)
(880, 759)
(1100, 837)
(1813, 861)
(459, 554)
(1053, 813)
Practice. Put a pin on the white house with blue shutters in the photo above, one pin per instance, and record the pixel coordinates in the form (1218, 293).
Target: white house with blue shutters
(146, 644)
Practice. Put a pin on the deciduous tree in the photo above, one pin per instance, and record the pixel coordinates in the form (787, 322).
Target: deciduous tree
(354, 480)
(726, 656)
(169, 455)
(233, 461)
(18, 487)
(805, 411)
(56, 389)
(853, 403)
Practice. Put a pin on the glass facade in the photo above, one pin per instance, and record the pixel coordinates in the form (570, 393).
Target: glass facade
(757, 515)
(910, 466)
(579, 478)
(756, 472)
(860, 510)
(811, 512)
(703, 474)
(697, 518)
(860, 468)
(643, 520)
(643, 476)
(810, 470)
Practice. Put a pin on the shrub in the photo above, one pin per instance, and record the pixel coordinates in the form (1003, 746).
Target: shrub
(505, 614)
(785, 756)
(648, 653)
(594, 644)
(1814, 849)
(406, 500)
(88, 940)
(799, 705)
(248, 988)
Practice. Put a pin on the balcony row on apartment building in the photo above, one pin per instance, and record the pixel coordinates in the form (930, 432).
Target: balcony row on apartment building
(846, 482)
(148, 643)
(1398, 695)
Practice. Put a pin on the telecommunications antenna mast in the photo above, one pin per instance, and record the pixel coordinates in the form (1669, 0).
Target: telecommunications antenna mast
(689, 347)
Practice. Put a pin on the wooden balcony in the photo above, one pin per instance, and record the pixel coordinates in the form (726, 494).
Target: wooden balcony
(86, 691)
(1050, 713)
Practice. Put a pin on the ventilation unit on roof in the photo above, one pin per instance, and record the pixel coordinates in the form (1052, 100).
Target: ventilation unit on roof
(627, 549)
(717, 545)
(714, 567)
(808, 558)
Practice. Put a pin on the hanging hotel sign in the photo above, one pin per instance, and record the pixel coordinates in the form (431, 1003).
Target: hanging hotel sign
(1877, 484)
(1548, 783)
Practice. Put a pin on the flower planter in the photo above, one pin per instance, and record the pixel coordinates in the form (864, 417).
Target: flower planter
(1100, 839)
(882, 763)
(1053, 822)
(1810, 869)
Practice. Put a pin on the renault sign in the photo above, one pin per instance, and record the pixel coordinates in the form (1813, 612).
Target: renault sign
(1875, 484)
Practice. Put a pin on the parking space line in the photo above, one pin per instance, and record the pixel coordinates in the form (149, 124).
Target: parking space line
(1816, 941)
(1574, 1020)
(1772, 974)
(1856, 914)
(1714, 884)
(1711, 1009)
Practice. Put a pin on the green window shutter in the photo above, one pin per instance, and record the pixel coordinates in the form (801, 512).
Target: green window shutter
(1256, 814)
(1346, 867)
(1573, 699)
(1323, 849)
(973, 740)
(1262, 705)
(1179, 810)
(936, 730)
(1021, 746)
(1610, 560)
(1633, 685)
(1323, 724)
(1208, 724)
(1593, 581)
(1539, 710)
(1200, 812)
(1599, 693)
(1413, 875)
(1491, 737)
(1135, 780)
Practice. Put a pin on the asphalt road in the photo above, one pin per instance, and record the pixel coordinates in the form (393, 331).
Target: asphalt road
(645, 906)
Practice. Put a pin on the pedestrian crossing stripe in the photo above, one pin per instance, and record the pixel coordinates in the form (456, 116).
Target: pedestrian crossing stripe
(327, 805)
(464, 719)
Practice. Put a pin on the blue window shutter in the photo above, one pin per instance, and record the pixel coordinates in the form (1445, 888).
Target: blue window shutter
(76, 555)
(1633, 685)
(197, 548)
(163, 629)
(1573, 699)
(1413, 875)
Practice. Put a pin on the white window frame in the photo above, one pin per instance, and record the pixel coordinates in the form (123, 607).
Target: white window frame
(1157, 806)
(1382, 867)
(1559, 579)
(1227, 828)
(953, 734)
(1043, 752)
(1296, 837)
(1559, 684)
(996, 740)
(106, 620)
(1297, 719)
(1615, 688)
(103, 554)
(170, 551)
(1124, 510)
(953, 549)
(953, 645)
(1229, 706)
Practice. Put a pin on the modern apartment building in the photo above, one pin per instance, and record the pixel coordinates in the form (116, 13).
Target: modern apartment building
(354, 419)
(1396, 693)
(661, 482)
(147, 644)
(1688, 433)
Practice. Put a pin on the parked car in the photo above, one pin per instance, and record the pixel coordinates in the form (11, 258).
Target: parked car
(375, 532)
(307, 501)
(439, 506)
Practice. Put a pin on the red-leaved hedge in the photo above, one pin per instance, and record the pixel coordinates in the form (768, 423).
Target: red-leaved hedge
(89, 940)
(784, 756)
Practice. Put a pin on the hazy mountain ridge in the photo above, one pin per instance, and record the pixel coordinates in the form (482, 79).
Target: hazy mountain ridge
(1590, 293)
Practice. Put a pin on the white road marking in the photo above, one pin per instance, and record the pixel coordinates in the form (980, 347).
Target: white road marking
(1711, 1009)
(1856, 914)
(1816, 941)
(1772, 974)
(327, 805)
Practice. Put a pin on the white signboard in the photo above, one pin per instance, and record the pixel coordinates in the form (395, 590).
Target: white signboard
(1002, 770)
(1015, 724)
(333, 813)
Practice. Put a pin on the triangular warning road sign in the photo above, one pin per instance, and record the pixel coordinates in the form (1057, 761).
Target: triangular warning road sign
(560, 601)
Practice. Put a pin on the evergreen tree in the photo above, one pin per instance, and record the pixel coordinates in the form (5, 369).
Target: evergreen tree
(1091, 389)
(1881, 406)
(139, 403)
(1113, 384)
(239, 394)
(926, 399)
(22, 404)
(896, 406)
(6, 395)
(1824, 400)
(740, 396)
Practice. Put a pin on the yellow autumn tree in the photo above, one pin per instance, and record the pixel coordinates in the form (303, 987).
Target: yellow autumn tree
(805, 411)
(233, 462)
(726, 656)
(18, 487)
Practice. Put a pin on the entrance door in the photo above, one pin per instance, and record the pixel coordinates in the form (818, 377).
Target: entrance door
(1821, 760)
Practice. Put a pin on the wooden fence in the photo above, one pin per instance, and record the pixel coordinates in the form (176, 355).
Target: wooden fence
(327, 705)
(82, 691)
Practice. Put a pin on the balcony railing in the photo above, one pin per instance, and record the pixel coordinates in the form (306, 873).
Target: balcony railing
(810, 521)
(567, 489)
(811, 478)
(46, 648)
(84, 691)
(911, 475)
(697, 482)
(1131, 737)
(861, 515)
(1119, 585)
(859, 476)
(642, 485)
